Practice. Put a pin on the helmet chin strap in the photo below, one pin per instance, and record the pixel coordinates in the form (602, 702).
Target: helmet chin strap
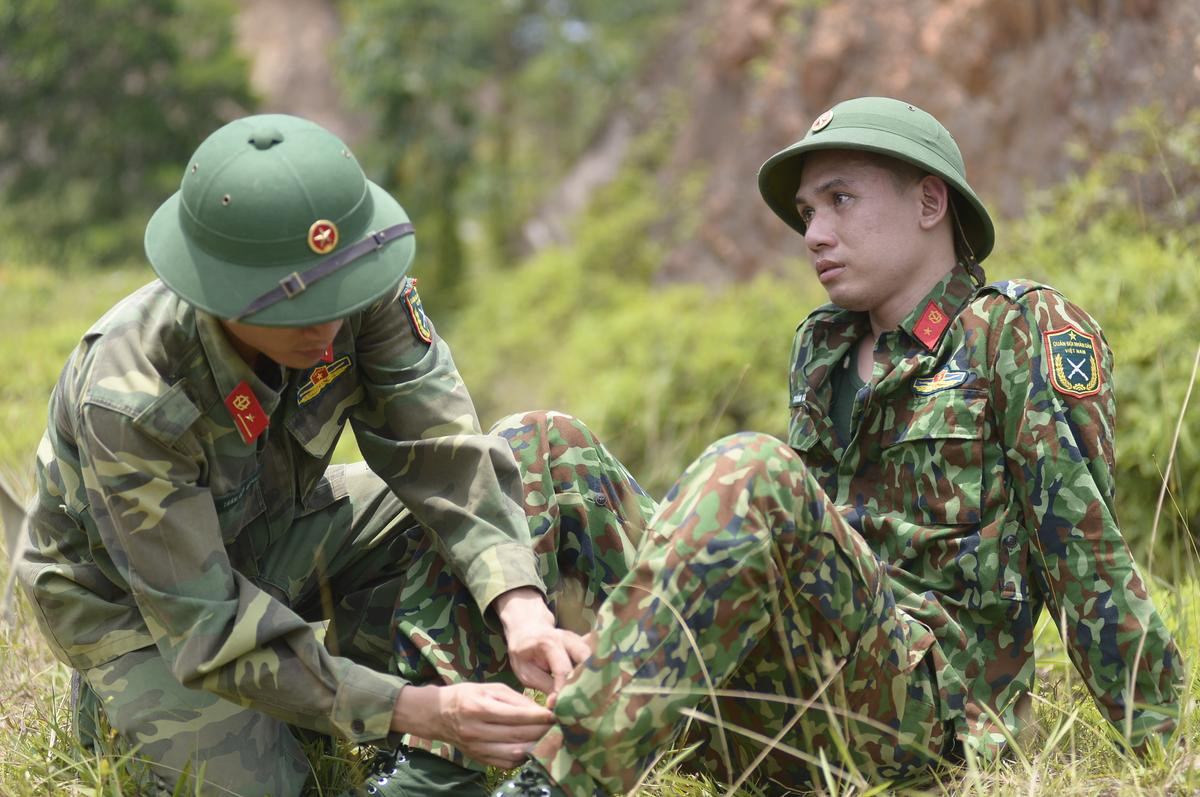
(295, 283)
(968, 259)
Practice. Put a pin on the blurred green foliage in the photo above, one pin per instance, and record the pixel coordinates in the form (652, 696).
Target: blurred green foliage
(481, 107)
(102, 102)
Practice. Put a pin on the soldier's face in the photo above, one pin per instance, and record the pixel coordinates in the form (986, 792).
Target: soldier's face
(863, 230)
(291, 347)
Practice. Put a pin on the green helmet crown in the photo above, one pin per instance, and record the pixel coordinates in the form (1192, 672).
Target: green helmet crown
(264, 200)
(887, 127)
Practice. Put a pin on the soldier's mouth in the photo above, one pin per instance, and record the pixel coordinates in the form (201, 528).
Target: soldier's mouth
(828, 270)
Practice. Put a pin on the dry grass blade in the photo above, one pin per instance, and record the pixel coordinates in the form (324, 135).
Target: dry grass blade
(762, 738)
(787, 726)
(708, 682)
(13, 517)
(1162, 492)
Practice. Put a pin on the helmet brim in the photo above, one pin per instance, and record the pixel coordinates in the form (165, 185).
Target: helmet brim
(779, 177)
(225, 289)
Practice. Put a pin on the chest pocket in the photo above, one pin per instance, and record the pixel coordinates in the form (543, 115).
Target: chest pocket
(239, 507)
(932, 465)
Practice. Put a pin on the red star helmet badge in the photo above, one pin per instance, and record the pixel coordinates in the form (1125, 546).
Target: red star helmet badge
(322, 236)
(822, 121)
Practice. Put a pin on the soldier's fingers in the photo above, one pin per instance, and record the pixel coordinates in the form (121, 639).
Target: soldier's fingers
(559, 661)
(500, 754)
(534, 677)
(493, 733)
(510, 707)
(577, 647)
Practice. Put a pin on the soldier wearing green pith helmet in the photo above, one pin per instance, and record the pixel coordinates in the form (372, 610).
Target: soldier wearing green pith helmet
(858, 603)
(219, 587)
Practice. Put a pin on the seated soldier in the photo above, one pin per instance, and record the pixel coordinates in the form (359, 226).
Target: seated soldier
(190, 536)
(862, 598)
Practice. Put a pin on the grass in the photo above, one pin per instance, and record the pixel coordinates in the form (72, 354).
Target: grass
(42, 313)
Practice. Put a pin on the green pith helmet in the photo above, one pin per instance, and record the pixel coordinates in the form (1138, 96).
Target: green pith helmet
(887, 127)
(275, 224)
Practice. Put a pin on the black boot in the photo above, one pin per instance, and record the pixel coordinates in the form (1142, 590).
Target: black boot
(405, 772)
(531, 781)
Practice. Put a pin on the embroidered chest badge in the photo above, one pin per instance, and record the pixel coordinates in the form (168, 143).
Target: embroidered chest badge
(942, 380)
(1074, 364)
(320, 378)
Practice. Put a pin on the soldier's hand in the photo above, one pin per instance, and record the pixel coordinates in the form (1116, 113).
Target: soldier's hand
(491, 723)
(541, 655)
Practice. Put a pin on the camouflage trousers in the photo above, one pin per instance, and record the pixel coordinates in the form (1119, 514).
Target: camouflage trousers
(391, 601)
(760, 620)
(587, 516)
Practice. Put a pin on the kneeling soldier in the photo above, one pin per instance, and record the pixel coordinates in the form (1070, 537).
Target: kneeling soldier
(190, 539)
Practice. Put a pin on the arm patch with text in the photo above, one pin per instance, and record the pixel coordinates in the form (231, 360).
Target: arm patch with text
(1073, 361)
(416, 312)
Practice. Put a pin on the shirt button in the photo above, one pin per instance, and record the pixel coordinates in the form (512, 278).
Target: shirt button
(1010, 541)
(601, 499)
(357, 726)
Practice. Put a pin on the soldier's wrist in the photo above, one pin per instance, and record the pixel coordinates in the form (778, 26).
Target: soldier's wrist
(522, 607)
(417, 710)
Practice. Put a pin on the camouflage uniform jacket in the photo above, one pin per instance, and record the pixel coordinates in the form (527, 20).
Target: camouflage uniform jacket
(152, 509)
(980, 469)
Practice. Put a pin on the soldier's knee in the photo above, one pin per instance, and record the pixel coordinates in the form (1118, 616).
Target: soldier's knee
(757, 447)
(761, 472)
(552, 426)
(518, 422)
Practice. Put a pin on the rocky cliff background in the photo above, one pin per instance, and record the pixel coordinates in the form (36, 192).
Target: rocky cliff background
(1032, 89)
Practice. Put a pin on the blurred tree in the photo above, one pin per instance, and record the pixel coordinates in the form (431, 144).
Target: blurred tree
(101, 103)
(482, 105)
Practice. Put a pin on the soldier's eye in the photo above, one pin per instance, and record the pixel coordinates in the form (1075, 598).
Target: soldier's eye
(806, 214)
(840, 198)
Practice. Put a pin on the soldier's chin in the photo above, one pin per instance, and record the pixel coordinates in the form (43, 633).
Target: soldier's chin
(299, 359)
(846, 301)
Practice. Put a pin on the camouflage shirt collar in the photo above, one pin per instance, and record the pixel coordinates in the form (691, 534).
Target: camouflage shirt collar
(228, 368)
(931, 316)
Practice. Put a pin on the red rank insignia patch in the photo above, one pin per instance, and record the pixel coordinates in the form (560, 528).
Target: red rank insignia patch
(931, 325)
(248, 415)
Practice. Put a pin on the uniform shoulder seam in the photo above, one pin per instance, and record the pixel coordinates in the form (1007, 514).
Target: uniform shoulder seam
(1015, 289)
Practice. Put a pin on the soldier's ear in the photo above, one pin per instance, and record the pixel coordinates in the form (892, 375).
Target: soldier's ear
(935, 201)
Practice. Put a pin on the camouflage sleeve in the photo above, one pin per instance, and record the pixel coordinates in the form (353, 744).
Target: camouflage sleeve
(418, 431)
(216, 630)
(1052, 381)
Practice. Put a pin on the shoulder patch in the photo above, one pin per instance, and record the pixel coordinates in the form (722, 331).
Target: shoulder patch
(1073, 361)
(416, 312)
